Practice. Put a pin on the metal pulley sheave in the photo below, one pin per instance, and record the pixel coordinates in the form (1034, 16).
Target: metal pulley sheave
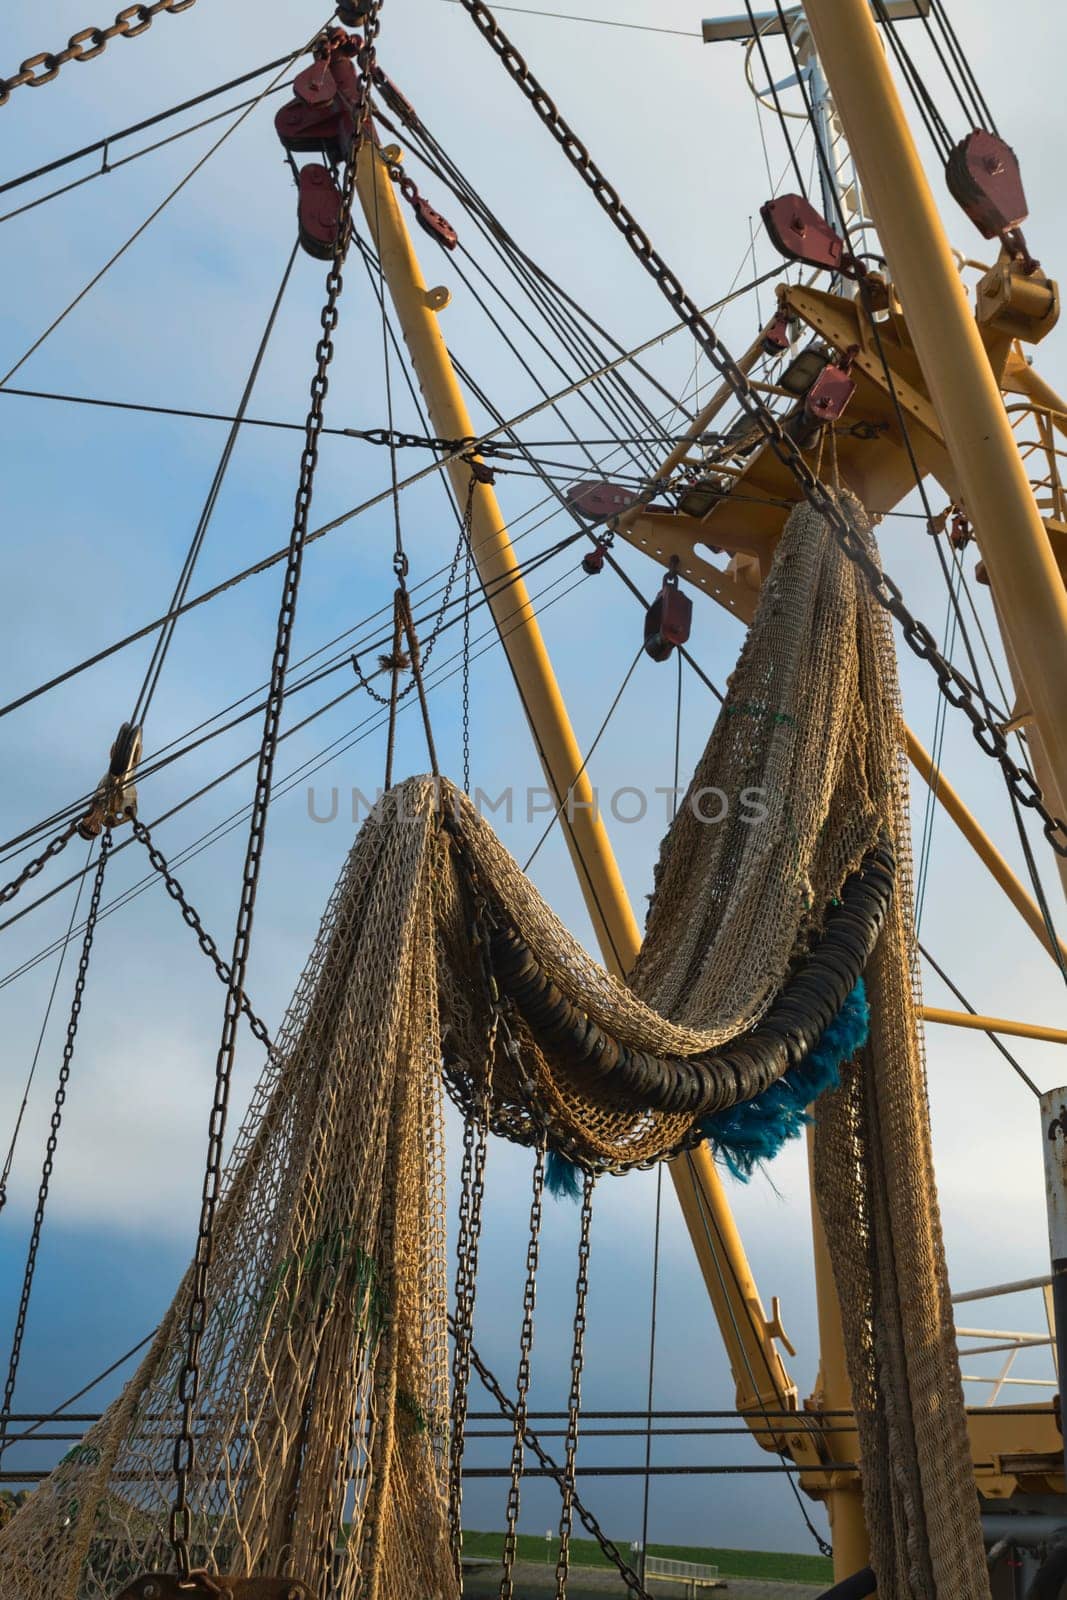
(115, 800)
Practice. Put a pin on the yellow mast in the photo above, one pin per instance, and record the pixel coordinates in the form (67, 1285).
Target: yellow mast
(1030, 597)
(762, 1382)
(999, 500)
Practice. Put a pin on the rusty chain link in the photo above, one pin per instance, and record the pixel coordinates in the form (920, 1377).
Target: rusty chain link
(471, 1197)
(86, 45)
(196, 1321)
(587, 1518)
(574, 1403)
(53, 1135)
(191, 917)
(394, 699)
(918, 637)
(32, 868)
(522, 1383)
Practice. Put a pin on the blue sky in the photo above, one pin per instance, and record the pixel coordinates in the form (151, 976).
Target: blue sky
(100, 507)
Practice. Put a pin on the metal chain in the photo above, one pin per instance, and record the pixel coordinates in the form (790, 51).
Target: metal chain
(196, 1320)
(192, 917)
(574, 1403)
(471, 1197)
(87, 44)
(587, 1518)
(53, 1135)
(918, 637)
(32, 868)
(393, 438)
(472, 1194)
(522, 1383)
(387, 663)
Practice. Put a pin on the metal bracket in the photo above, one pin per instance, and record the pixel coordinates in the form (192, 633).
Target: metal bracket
(774, 1329)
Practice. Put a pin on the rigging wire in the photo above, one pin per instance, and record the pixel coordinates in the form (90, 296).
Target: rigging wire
(600, 22)
(964, 65)
(138, 231)
(585, 761)
(366, 645)
(10, 1157)
(936, 751)
(519, 263)
(146, 150)
(933, 121)
(782, 119)
(920, 484)
(366, 505)
(659, 1197)
(967, 1006)
(166, 633)
(590, 881)
(52, 1141)
(104, 145)
(719, 1254)
(369, 724)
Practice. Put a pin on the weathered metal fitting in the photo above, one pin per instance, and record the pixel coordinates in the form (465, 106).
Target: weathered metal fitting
(115, 799)
(1024, 305)
(210, 1586)
(799, 233)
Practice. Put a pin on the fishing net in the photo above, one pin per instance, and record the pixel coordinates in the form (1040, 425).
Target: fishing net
(322, 1426)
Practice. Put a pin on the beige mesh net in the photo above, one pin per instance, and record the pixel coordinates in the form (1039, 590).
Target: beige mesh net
(322, 1427)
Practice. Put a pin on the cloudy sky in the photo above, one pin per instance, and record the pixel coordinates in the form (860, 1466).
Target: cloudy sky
(100, 506)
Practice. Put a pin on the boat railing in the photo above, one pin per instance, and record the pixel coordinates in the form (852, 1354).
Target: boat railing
(1007, 1342)
(1041, 433)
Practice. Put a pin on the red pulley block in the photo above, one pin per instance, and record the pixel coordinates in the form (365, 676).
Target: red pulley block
(593, 560)
(776, 339)
(433, 223)
(598, 500)
(798, 231)
(828, 396)
(983, 176)
(302, 127)
(668, 619)
(315, 86)
(345, 81)
(318, 212)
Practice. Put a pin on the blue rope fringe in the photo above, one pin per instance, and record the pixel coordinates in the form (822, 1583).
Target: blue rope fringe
(562, 1178)
(755, 1130)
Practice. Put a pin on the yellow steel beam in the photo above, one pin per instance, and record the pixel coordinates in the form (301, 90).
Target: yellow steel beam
(1020, 1030)
(965, 393)
(982, 844)
(748, 1334)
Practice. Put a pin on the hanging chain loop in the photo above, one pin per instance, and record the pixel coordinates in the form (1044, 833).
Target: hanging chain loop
(574, 1403)
(522, 1384)
(587, 1518)
(196, 1318)
(53, 1134)
(86, 45)
(32, 868)
(191, 917)
(887, 593)
(471, 1197)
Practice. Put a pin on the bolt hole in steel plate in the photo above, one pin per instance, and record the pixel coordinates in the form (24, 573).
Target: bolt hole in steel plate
(168, 1586)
